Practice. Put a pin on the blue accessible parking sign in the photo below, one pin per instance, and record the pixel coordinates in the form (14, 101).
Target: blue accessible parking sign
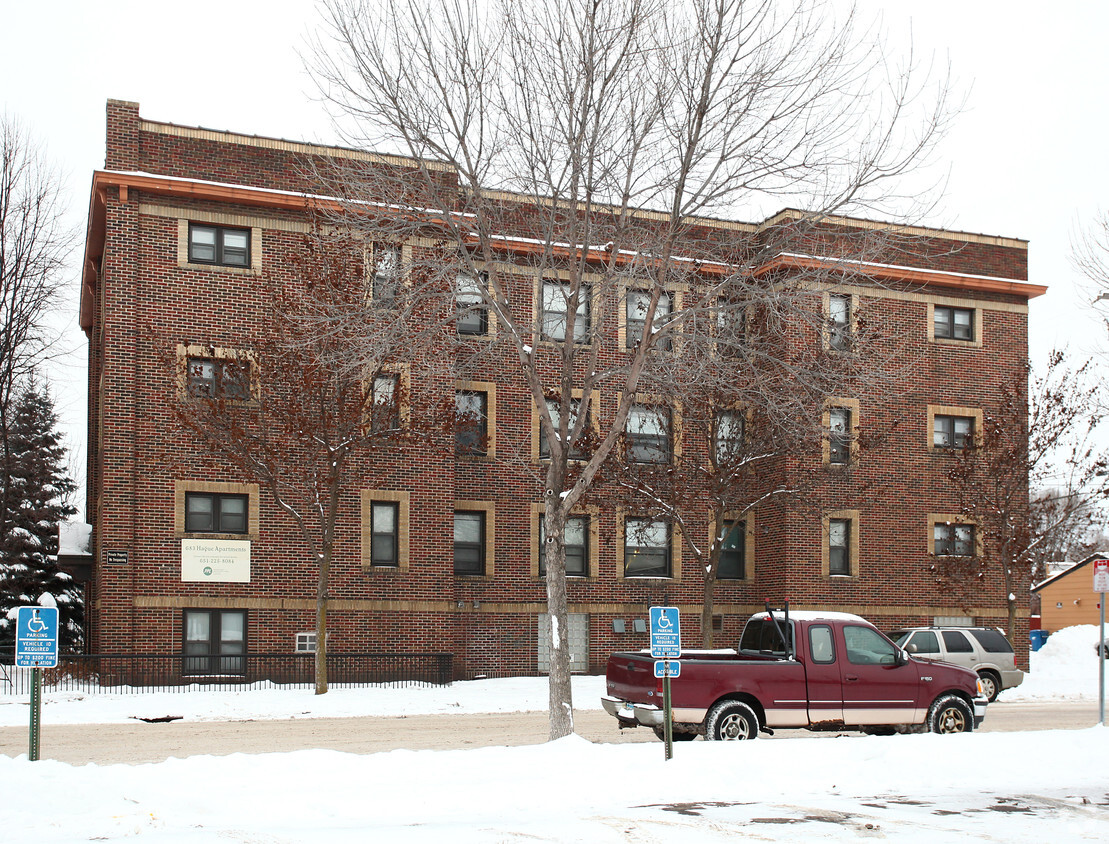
(36, 637)
(666, 636)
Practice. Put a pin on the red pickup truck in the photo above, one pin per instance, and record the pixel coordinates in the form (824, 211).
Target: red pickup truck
(799, 670)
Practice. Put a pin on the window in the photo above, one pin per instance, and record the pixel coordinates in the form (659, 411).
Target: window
(992, 641)
(385, 409)
(471, 430)
(866, 646)
(472, 312)
(926, 642)
(956, 642)
(212, 512)
(214, 642)
(839, 435)
(731, 328)
(733, 552)
(386, 273)
(646, 548)
(728, 431)
(553, 409)
(953, 540)
(839, 546)
(556, 314)
(384, 533)
(218, 378)
(576, 540)
(218, 245)
(647, 432)
(306, 643)
(636, 307)
(839, 322)
(953, 323)
(952, 431)
(822, 647)
(469, 542)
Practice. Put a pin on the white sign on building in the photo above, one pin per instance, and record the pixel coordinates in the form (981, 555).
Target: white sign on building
(215, 560)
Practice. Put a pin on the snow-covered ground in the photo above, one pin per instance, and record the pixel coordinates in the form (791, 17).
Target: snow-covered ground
(1036, 786)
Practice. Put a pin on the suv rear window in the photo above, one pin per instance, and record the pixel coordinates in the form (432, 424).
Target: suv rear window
(992, 641)
(956, 642)
(760, 636)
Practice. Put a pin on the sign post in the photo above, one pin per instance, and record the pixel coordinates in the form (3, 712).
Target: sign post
(36, 647)
(666, 644)
(1101, 586)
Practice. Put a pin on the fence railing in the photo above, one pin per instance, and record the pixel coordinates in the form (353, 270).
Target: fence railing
(138, 673)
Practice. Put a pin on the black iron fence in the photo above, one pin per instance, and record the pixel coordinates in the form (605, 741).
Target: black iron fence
(138, 673)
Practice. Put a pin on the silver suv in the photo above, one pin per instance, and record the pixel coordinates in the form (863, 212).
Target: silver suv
(981, 649)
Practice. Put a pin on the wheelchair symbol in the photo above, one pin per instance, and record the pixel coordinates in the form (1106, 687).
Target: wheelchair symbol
(35, 624)
(664, 622)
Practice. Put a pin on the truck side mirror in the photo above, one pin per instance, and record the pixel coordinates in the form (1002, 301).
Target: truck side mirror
(902, 657)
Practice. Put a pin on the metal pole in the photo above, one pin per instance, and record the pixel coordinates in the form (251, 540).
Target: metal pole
(1101, 664)
(667, 722)
(36, 714)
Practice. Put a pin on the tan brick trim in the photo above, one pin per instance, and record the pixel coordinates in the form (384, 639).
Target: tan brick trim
(935, 410)
(852, 544)
(955, 519)
(490, 510)
(622, 515)
(243, 221)
(256, 245)
(826, 423)
(183, 353)
(748, 519)
(490, 390)
(180, 487)
(369, 497)
(592, 563)
(924, 298)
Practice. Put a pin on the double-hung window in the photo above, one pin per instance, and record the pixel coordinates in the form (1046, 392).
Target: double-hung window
(728, 432)
(953, 323)
(558, 311)
(951, 539)
(731, 328)
(733, 551)
(218, 245)
(553, 408)
(384, 533)
(214, 512)
(214, 642)
(952, 431)
(471, 430)
(472, 312)
(636, 309)
(839, 435)
(839, 546)
(469, 542)
(575, 538)
(648, 434)
(839, 322)
(646, 548)
(386, 273)
(384, 406)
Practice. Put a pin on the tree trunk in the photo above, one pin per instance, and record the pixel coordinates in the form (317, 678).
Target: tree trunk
(561, 715)
(708, 602)
(321, 626)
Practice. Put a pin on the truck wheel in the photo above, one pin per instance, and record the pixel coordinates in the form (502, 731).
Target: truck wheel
(991, 685)
(950, 714)
(731, 720)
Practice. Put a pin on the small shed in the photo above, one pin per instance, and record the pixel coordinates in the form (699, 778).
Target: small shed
(1068, 598)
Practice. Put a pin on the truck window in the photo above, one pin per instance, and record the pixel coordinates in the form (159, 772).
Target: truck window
(821, 645)
(866, 646)
(956, 642)
(759, 636)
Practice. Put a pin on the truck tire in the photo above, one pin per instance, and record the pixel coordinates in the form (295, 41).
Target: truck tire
(731, 720)
(950, 714)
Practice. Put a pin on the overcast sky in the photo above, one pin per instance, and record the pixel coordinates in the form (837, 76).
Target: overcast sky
(1025, 159)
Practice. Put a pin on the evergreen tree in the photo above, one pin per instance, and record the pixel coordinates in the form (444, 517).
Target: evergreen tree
(34, 498)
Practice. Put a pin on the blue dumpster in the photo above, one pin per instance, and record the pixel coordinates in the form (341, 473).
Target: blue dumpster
(1038, 637)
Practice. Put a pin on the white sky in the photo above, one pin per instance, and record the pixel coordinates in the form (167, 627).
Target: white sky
(1025, 159)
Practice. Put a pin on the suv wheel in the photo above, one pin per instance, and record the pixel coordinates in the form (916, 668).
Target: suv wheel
(991, 685)
(950, 714)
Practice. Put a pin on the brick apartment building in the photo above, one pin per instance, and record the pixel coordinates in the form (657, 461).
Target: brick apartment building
(183, 224)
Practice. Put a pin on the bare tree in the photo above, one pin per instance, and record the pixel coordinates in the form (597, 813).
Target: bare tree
(543, 130)
(34, 245)
(1038, 436)
(291, 409)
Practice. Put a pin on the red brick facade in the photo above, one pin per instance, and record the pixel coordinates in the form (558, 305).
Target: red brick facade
(140, 288)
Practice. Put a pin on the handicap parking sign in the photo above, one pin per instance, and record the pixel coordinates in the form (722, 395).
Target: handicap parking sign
(666, 637)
